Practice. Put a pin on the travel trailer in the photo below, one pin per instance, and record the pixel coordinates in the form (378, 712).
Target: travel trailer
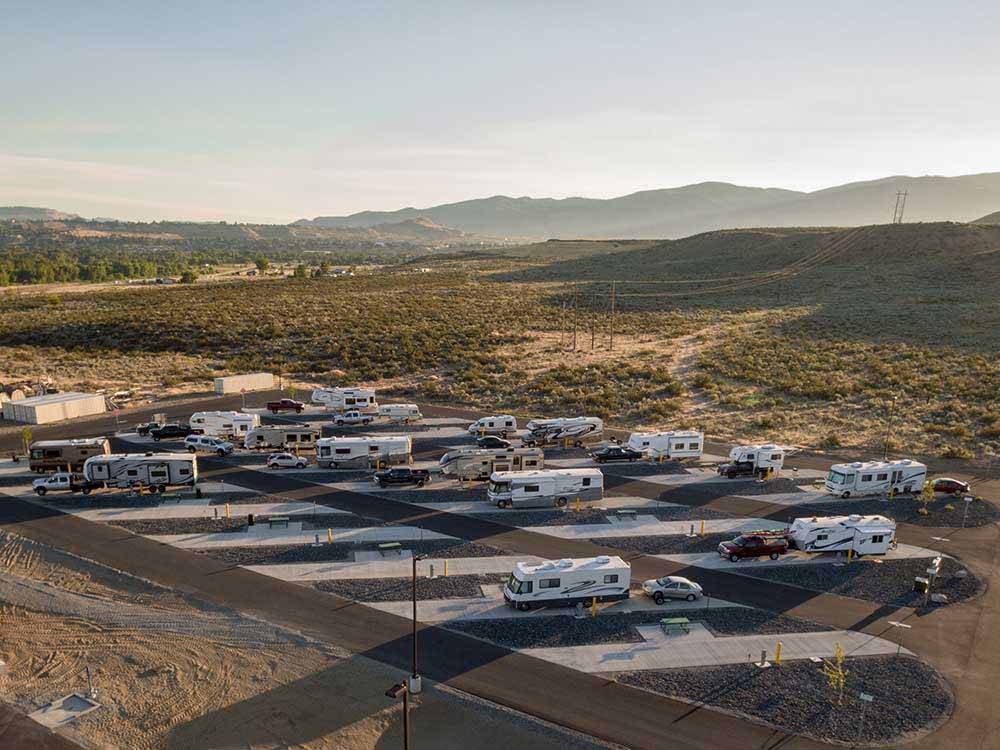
(576, 430)
(155, 471)
(547, 487)
(502, 425)
(875, 477)
(361, 452)
(866, 535)
(672, 444)
(754, 460)
(346, 399)
(405, 413)
(224, 424)
(479, 463)
(55, 455)
(567, 582)
(286, 438)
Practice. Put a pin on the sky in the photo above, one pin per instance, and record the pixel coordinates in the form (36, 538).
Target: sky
(270, 112)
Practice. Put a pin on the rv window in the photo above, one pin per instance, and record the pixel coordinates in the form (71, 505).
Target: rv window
(531, 488)
(586, 481)
(342, 451)
(882, 477)
(132, 473)
(291, 438)
(866, 477)
(548, 583)
(489, 424)
(184, 472)
(349, 401)
(775, 456)
(531, 463)
(821, 537)
(611, 579)
(53, 453)
(372, 448)
(878, 538)
(693, 446)
(158, 474)
(509, 423)
(749, 456)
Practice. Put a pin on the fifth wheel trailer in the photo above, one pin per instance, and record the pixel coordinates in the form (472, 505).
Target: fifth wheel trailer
(577, 430)
(56, 455)
(285, 437)
(866, 535)
(360, 452)
(346, 399)
(224, 424)
(155, 471)
(479, 463)
(754, 460)
(875, 477)
(671, 444)
(566, 582)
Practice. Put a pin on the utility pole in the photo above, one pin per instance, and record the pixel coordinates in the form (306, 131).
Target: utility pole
(612, 348)
(888, 428)
(897, 212)
(576, 301)
(562, 326)
(593, 320)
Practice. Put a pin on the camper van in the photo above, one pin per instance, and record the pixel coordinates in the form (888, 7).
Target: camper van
(479, 463)
(346, 399)
(55, 455)
(567, 582)
(875, 477)
(576, 430)
(547, 487)
(502, 425)
(285, 438)
(404, 413)
(154, 471)
(672, 444)
(362, 452)
(224, 424)
(753, 460)
(866, 535)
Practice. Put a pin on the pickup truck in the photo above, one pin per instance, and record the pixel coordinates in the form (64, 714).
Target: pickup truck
(754, 545)
(167, 431)
(285, 404)
(402, 475)
(63, 482)
(351, 417)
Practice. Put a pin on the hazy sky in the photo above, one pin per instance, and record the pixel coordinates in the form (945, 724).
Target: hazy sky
(275, 111)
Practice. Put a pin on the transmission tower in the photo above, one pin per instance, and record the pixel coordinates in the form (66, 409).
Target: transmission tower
(897, 212)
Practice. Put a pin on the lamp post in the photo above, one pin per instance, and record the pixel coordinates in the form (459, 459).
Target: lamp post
(415, 681)
(395, 692)
(888, 428)
(899, 641)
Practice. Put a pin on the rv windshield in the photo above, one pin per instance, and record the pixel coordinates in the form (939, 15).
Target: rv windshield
(835, 477)
(498, 487)
(515, 585)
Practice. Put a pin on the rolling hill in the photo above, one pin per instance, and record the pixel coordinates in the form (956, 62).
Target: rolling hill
(993, 218)
(30, 213)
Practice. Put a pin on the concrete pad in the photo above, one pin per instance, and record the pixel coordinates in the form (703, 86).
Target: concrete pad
(201, 508)
(64, 710)
(390, 567)
(791, 498)
(652, 527)
(269, 537)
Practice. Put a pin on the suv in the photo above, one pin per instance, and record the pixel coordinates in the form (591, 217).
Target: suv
(402, 475)
(754, 545)
(63, 482)
(285, 404)
(286, 461)
(195, 443)
(615, 453)
(492, 442)
(167, 431)
(351, 417)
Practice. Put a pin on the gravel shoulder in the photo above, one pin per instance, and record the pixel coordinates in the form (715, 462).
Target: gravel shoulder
(340, 551)
(395, 590)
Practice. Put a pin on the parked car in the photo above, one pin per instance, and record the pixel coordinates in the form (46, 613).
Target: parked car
(285, 404)
(286, 461)
(173, 430)
(144, 428)
(62, 481)
(950, 486)
(351, 417)
(402, 475)
(493, 442)
(672, 587)
(215, 445)
(754, 545)
(615, 453)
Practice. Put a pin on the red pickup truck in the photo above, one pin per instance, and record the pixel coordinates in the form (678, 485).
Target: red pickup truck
(285, 404)
(754, 545)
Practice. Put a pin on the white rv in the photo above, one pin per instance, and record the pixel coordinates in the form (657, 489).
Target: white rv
(404, 413)
(671, 444)
(577, 430)
(479, 463)
(362, 451)
(224, 424)
(754, 460)
(502, 425)
(866, 535)
(346, 399)
(547, 487)
(876, 477)
(566, 582)
(156, 471)
(286, 438)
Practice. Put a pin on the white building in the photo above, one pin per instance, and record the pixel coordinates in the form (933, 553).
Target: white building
(54, 407)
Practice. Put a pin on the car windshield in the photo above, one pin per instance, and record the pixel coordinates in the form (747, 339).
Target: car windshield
(741, 541)
(664, 581)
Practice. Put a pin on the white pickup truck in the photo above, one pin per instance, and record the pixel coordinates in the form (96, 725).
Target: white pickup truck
(63, 482)
(351, 417)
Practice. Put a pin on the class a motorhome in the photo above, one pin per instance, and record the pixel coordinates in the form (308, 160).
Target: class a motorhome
(754, 460)
(576, 430)
(155, 471)
(404, 413)
(362, 451)
(544, 488)
(285, 438)
(479, 463)
(346, 399)
(224, 424)
(501, 424)
(54, 455)
(866, 535)
(567, 582)
(875, 477)
(670, 444)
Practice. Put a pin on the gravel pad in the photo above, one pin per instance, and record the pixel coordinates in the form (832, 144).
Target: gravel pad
(401, 589)
(673, 544)
(904, 510)
(477, 494)
(238, 522)
(595, 515)
(296, 553)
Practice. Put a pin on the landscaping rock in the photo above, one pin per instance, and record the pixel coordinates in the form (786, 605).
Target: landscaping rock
(296, 553)
(400, 589)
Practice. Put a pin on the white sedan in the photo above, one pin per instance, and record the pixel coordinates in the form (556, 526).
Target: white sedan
(672, 587)
(286, 461)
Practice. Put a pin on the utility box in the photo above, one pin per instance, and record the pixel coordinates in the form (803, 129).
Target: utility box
(253, 381)
(54, 407)
(920, 584)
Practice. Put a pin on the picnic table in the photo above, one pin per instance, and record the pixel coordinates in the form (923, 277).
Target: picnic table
(387, 548)
(675, 625)
(625, 514)
(279, 521)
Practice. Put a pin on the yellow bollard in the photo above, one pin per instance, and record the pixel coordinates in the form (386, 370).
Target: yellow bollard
(227, 510)
(446, 567)
(660, 459)
(593, 607)
(578, 504)
(777, 655)
(409, 459)
(850, 554)
(329, 536)
(702, 531)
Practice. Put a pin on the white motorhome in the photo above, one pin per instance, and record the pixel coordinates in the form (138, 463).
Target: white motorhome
(155, 471)
(346, 399)
(566, 582)
(547, 487)
(754, 460)
(866, 535)
(224, 424)
(286, 438)
(577, 430)
(670, 444)
(362, 451)
(479, 463)
(404, 413)
(502, 425)
(875, 477)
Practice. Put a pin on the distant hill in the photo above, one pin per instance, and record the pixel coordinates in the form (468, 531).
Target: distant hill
(29, 213)
(993, 218)
(683, 211)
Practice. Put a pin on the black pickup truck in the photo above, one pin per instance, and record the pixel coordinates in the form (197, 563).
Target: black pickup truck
(402, 475)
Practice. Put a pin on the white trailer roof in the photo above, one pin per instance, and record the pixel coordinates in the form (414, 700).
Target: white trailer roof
(854, 521)
(877, 465)
(107, 457)
(568, 565)
(667, 433)
(69, 442)
(545, 473)
(366, 439)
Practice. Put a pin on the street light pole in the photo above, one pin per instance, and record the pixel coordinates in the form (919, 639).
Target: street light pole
(395, 692)
(899, 642)
(415, 682)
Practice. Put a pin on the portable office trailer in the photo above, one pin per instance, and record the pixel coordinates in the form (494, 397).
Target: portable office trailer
(253, 381)
(362, 451)
(502, 425)
(400, 412)
(875, 477)
(479, 463)
(567, 582)
(755, 460)
(577, 430)
(286, 438)
(866, 535)
(54, 407)
(156, 471)
(55, 455)
(670, 444)
(227, 424)
(346, 399)
(547, 487)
